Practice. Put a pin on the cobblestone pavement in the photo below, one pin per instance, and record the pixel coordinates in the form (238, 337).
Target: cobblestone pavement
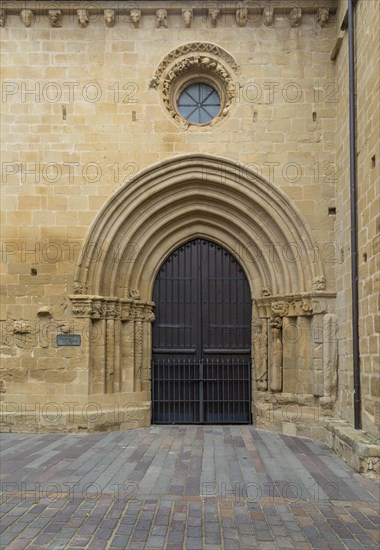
(176, 487)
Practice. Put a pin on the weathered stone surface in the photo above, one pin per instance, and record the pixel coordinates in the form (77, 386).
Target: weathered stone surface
(101, 182)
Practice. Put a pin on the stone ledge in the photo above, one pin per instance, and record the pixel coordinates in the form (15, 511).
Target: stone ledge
(359, 449)
(74, 422)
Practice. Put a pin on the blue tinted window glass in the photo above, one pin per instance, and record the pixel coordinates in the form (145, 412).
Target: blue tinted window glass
(199, 103)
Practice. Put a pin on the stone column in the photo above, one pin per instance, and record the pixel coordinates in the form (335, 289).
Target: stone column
(330, 356)
(138, 346)
(97, 356)
(276, 355)
(110, 355)
(117, 366)
(317, 377)
(260, 343)
(147, 348)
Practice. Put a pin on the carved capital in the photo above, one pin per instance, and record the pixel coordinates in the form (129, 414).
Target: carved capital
(102, 307)
(280, 308)
(276, 322)
(149, 316)
(300, 307)
(82, 307)
(125, 310)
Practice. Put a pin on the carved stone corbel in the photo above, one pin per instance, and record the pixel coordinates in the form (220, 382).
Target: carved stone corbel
(26, 17)
(323, 16)
(55, 18)
(161, 18)
(241, 15)
(187, 16)
(135, 16)
(295, 17)
(3, 17)
(83, 17)
(268, 16)
(134, 293)
(213, 14)
(110, 17)
(79, 288)
(319, 283)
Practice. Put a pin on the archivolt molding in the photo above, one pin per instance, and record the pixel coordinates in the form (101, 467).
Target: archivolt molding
(197, 196)
(205, 48)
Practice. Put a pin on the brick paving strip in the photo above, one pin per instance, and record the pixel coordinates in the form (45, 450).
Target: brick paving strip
(182, 487)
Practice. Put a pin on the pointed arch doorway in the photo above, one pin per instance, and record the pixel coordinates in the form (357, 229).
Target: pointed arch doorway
(201, 360)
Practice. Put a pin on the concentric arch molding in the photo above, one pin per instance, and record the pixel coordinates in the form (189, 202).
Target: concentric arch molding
(196, 62)
(198, 196)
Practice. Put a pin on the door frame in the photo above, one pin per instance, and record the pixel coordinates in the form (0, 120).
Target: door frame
(206, 396)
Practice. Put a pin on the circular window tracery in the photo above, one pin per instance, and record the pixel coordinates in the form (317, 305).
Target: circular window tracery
(197, 82)
(199, 103)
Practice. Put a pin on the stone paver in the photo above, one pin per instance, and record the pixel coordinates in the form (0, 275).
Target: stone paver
(182, 487)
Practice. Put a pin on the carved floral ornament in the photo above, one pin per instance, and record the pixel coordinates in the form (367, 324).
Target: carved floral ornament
(196, 62)
(125, 309)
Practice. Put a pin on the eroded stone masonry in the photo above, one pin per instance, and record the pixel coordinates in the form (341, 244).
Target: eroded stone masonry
(107, 171)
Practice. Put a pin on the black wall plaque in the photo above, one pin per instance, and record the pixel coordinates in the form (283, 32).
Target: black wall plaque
(68, 340)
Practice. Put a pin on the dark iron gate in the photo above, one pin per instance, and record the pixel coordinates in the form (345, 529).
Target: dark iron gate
(201, 338)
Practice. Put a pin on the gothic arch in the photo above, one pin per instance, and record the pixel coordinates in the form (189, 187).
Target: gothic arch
(166, 205)
(190, 196)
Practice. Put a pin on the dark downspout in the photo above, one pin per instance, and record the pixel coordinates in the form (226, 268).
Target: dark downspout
(354, 220)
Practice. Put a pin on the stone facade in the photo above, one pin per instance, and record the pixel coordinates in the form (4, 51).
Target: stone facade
(102, 179)
(368, 132)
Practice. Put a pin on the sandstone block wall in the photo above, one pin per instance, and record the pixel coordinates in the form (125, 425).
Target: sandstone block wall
(80, 120)
(368, 136)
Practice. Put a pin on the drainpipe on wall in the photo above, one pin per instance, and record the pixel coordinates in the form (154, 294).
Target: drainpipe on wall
(354, 220)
